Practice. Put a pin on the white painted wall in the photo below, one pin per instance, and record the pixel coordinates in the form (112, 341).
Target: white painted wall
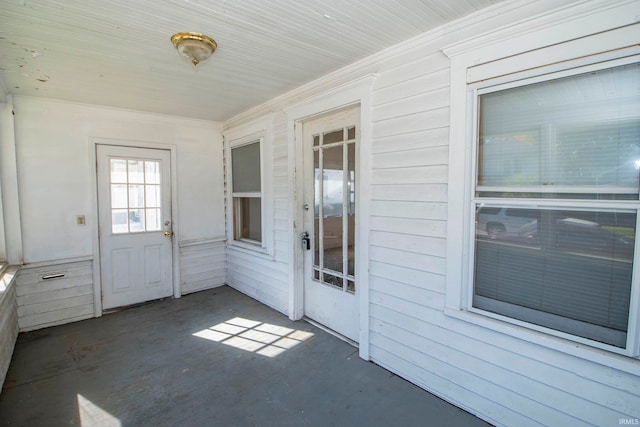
(506, 379)
(54, 140)
(54, 171)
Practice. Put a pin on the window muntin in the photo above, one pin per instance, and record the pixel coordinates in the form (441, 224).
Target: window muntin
(246, 192)
(556, 202)
(135, 195)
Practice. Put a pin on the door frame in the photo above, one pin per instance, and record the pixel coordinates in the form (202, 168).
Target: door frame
(355, 93)
(93, 216)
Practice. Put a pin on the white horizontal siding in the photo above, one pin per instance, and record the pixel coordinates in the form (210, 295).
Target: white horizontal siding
(8, 320)
(517, 381)
(202, 266)
(48, 302)
(265, 277)
(259, 277)
(505, 380)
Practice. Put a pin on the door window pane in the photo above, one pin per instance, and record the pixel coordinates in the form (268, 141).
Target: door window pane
(334, 207)
(118, 196)
(135, 199)
(118, 170)
(136, 220)
(119, 222)
(153, 222)
(152, 193)
(351, 218)
(136, 196)
(151, 172)
(333, 202)
(136, 171)
(334, 136)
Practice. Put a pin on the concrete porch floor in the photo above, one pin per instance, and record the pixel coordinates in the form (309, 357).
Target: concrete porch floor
(213, 358)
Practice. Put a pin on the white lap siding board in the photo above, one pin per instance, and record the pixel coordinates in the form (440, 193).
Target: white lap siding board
(8, 320)
(202, 265)
(260, 275)
(44, 302)
(503, 379)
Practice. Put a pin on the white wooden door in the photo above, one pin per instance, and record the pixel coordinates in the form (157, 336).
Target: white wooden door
(134, 203)
(330, 184)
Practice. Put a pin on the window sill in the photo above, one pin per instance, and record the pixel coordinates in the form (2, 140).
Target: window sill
(250, 249)
(536, 335)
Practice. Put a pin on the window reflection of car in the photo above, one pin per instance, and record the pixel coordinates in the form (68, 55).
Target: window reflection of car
(505, 222)
(583, 237)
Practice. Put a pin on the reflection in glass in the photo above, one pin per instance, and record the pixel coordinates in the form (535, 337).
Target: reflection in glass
(574, 266)
(118, 171)
(119, 223)
(152, 199)
(351, 217)
(152, 172)
(153, 220)
(136, 171)
(351, 286)
(332, 205)
(334, 209)
(135, 205)
(331, 137)
(136, 220)
(316, 209)
(118, 196)
(332, 280)
(136, 196)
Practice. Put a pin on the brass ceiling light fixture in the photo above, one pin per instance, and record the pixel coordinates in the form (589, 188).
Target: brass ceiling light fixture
(196, 47)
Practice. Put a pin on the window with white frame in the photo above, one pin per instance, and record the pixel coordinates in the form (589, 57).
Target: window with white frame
(555, 200)
(246, 184)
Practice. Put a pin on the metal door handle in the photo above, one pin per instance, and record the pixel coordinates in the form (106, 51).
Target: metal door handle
(168, 233)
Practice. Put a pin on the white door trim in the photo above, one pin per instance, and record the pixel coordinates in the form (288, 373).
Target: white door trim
(92, 219)
(353, 93)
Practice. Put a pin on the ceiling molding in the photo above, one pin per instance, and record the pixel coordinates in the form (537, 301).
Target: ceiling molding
(193, 120)
(580, 10)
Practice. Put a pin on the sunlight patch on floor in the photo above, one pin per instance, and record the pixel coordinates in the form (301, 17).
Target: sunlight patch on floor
(92, 415)
(256, 337)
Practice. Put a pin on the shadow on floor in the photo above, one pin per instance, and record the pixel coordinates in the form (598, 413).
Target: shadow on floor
(214, 358)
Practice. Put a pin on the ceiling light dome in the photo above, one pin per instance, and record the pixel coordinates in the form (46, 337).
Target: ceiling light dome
(196, 47)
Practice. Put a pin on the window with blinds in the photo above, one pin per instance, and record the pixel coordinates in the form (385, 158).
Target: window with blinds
(556, 201)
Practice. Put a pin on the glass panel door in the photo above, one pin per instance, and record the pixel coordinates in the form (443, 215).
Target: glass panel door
(334, 210)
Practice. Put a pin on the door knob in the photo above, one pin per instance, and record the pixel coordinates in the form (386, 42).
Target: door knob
(168, 233)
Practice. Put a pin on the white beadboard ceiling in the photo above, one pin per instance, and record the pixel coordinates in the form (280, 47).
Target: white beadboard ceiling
(118, 52)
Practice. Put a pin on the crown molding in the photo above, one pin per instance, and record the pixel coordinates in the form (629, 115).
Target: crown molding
(582, 10)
